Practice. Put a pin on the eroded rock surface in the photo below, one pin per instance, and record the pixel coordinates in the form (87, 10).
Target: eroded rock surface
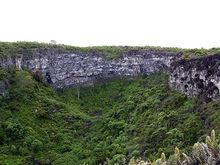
(3, 88)
(63, 70)
(194, 77)
(197, 77)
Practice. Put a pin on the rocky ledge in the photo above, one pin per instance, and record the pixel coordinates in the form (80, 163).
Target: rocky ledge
(197, 77)
(194, 77)
(63, 70)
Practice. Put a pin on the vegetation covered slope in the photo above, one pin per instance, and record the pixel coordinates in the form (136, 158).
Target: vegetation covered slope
(28, 48)
(110, 122)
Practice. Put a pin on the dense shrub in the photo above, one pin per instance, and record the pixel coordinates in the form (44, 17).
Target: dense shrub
(109, 52)
(13, 130)
(36, 145)
(38, 76)
(110, 122)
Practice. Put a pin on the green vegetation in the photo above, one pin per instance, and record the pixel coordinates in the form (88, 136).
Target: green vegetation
(202, 153)
(115, 122)
(110, 52)
(29, 48)
(111, 122)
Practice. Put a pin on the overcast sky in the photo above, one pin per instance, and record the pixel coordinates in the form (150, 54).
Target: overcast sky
(173, 23)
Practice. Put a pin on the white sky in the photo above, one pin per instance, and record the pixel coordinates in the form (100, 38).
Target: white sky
(173, 23)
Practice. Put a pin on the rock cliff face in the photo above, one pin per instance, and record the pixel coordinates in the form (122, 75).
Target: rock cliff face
(63, 70)
(197, 77)
(194, 77)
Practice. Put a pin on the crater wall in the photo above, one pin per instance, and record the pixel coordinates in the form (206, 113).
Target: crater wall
(198, 77)
(64, 70)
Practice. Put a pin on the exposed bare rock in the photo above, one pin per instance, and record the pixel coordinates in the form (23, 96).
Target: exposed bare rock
(63, 70)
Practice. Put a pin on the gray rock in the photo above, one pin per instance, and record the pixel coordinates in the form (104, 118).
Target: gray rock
(197, 77)
(64, 70)
(3, 89)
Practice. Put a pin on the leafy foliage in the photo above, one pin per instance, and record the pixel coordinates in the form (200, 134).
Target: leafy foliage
(8, 49)
(111, 122)
(202, 153)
